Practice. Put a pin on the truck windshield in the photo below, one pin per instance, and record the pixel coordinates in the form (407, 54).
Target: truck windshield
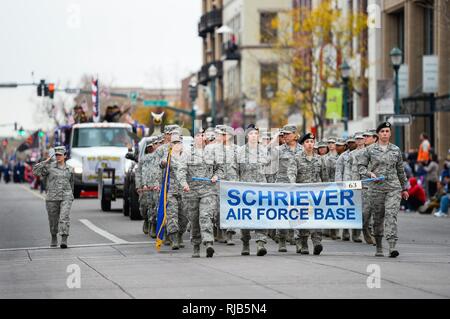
(100, 136)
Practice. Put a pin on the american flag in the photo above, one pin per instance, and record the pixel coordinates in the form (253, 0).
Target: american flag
(95, 101)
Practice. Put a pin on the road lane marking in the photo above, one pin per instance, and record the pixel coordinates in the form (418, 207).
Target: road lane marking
(129, 243)
(103, 232)
(32, 192)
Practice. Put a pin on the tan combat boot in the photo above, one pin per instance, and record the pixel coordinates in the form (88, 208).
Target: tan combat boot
(368, 237)
(153, 230)
(245, 248)
(282, 246)
(260, 249)
(196, 253)
(230, 241)
(379, 243)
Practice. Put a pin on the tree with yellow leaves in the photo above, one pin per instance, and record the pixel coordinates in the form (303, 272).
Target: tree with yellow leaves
(312, 44)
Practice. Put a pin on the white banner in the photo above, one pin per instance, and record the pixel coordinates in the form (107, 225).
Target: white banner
(290, 206)
(91, 164)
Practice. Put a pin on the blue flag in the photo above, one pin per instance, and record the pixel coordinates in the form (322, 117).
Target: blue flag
(162, 209)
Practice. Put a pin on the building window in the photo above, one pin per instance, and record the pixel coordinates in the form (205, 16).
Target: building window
(428, 31)
(268, 34)
(401, 32)
(269, 76)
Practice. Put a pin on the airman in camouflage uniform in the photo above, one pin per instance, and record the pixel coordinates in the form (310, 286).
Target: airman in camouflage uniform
(223, 152)
(59, 197)
(330, 162)
(384, 159)
(308, 167)
(150, 177)
(366, 207)
(177, 219)
(199, 196)
(286, 153)
(343, 173)
(252, 161)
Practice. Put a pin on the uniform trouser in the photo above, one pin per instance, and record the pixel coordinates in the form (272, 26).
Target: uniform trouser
(177, 219)
(58, 216)
(200, 204)
(385, 205)
(283, 234)
(153, 198)
(316, 235)
(217, 216)
(144, 204)
(261, 235)
(366, 207)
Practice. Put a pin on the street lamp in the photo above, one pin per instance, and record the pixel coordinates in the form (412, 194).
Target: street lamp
(396, 59)
(269, 95)
(193, 95)
(345, 73)
(212, 72)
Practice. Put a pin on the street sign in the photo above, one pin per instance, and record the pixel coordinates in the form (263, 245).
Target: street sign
(155, 103)
(133, 97)
(399, 120)
(430, 76)
(72, 91)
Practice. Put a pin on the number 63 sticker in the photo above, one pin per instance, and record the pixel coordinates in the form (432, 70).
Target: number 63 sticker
(352, 185)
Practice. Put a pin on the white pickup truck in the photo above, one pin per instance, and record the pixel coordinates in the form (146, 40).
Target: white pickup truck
(97, 154)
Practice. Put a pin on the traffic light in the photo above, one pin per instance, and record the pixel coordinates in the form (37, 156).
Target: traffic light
(51, 90)
(41, 88)
(41, 133)
(46, 92)
(21, 131)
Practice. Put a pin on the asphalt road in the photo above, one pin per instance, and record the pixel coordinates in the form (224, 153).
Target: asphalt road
(116, 260)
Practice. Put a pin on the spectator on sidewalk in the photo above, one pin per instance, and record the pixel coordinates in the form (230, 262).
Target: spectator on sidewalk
(444, 200)
(424, 149)
(417, 195)
(432, 177)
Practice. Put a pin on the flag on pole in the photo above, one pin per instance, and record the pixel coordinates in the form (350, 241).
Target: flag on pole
(162, 209)
(95, 101)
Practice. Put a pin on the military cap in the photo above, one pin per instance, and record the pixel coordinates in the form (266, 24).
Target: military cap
(218, 128)
(322, 143)
(151, 141)
(340, 141)
(60, 150)
(331, 140)
(384, 125)
(307, 136)
(175, 138)
(266, 136)
(225, 129)
(290, 128)
(169, 129)
(370, 133)
(350, 139)
(199, 131)
(359, 135)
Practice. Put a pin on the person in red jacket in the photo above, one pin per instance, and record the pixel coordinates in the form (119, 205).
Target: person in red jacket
(416, 195)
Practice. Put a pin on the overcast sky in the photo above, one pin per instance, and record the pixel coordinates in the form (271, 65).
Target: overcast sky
(148, 43)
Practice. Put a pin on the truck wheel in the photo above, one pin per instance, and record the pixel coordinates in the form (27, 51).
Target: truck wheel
(135, 213)
(106, 205)
(76, 192)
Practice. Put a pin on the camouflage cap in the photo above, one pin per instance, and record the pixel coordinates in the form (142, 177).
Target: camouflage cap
(175, 138)
(266, 136)
(359, 135)
(370, 133)
(350, 139)
(340, 141)
(225, 129)
(151, 141)
(322, 143)
(290, 128)
(60, 150)
(168, 129)
(331, 140)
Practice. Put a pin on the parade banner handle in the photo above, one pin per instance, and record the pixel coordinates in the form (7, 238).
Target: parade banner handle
(369, 180)
(202, 179)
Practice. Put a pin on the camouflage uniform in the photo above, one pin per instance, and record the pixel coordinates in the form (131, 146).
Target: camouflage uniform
(384, 196)
(342, 173)
(285, 156)
(330, 163)
(308, 170)
(201, 200)
(252, 163)
(59, 188)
